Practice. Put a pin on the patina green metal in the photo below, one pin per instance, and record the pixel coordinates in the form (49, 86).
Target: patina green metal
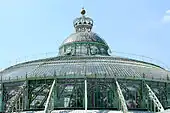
(86, 78)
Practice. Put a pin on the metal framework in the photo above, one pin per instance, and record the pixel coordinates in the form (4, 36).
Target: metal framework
(49, 106)
(153, 97)
(15, 103)
(121, 97)
(85, 94)
(84, 77)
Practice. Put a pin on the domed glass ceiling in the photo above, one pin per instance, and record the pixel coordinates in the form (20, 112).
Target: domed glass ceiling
(84, 42)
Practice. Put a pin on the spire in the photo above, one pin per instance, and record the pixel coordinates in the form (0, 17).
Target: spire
(83, 23)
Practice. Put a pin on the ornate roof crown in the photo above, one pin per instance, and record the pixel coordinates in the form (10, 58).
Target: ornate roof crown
(83, 23)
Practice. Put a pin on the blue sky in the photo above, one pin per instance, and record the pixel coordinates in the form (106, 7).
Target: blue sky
(31, 28)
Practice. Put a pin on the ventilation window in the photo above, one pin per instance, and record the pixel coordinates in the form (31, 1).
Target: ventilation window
(84, 22)
(79, 22)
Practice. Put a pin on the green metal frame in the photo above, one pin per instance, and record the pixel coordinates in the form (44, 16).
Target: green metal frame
(49, 106)
(74, 90)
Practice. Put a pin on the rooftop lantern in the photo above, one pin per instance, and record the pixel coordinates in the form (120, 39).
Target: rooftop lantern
(83, 42)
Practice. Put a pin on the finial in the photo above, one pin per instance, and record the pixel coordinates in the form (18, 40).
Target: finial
(83, 11)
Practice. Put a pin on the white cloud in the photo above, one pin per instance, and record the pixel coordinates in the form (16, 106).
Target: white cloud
(168, 12)
(166, 18)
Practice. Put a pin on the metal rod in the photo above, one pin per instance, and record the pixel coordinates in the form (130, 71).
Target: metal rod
(49, 98)
(85, 82)
(121, 97)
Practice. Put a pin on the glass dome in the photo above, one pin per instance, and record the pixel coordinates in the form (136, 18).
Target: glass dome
(84, 37)
(84, 78)
(84, 41)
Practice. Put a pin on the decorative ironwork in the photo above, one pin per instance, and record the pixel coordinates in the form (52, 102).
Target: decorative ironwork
(15, 104)
(154, 99)
(84, 77)
(121, 97)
